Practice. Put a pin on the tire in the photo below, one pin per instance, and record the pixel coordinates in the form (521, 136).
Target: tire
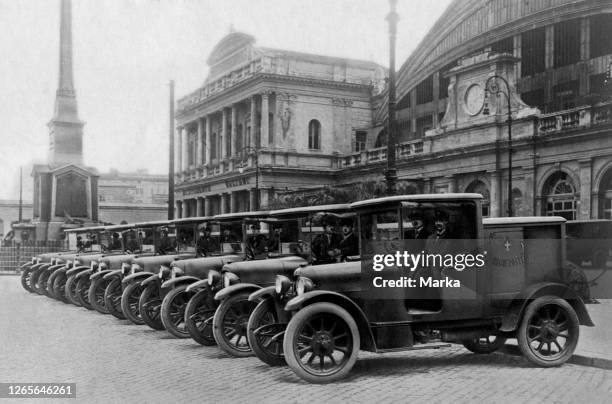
(547, 322)
(230, 325)
(149, 306)
(265, 333)
(199, 315)
(50, 282)
(112, 298)
(173, 311)
(129, 303)
(82, 291)
(26, 279)
(484, 345)
(70, 290)
(41, 283)
(96, 291)
(34, 281)
(323, 318)
(59, 287)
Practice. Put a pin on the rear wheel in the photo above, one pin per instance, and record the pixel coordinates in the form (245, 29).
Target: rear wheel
(96, 294)
(129, 303)
(41, 284)
(50, 282)
(230, 324)
(173, 311)
(321, 343)
(59, 286)
(149, 306)
(112, 298)
(266, 334)
(34, 281)
(26, 279)
(71, 289)
(549, 331)
(199, 315)
(82, 291)
(484, 345)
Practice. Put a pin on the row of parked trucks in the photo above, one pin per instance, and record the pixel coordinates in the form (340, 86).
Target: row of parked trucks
(294, 286)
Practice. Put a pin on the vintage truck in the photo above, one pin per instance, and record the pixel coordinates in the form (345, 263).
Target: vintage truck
(520, 291)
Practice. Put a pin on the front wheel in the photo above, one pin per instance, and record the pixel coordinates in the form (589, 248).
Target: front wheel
(41, 284)
(26, 279)
(484, 345)
(59, 286)
(265, 333)
(129, 303)
(173, 311)
(321, 343)
(230, 324)
(82, 292)
(149, 306)
(96, 294)
(199, 315)
(71, 290)
(112, 298)
(34, 281)
(549, 331)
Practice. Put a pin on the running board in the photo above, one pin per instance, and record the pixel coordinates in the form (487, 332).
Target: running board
(436, 345)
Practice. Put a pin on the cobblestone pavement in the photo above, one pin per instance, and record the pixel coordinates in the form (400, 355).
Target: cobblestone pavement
(43, 340)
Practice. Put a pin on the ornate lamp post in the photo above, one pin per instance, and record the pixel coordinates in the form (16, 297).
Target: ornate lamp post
(255, 152)
(391, 172)
(492, 86)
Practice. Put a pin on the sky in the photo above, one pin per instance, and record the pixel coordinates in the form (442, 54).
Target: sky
(125, 53)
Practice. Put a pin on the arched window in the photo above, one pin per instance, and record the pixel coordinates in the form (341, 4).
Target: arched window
(381, 139)
(314, 135)
(605, 196)
(560, 196)
(479, 187)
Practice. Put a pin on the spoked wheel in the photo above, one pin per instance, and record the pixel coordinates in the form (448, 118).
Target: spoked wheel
(129, 303)
(26, 279)
(484, 345)
(71, 290)
(59, 286)
(50, 282)
(149, 306)
(173, 311)
(34, 281)
(96, 294)
(41, 284)
(549, 331)
(82, 291)
(230, 324)
(266, 334)
(199, 315)
(321, 343)
(112, 298)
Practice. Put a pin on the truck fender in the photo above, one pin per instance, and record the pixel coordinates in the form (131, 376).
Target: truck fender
(138, 276)
(25, 266)
(233, 289)
(112, 274)
(54, 268)
(99, 274)
(84, 273)
(149, 280)
(263, 293)
(318, 296)
(179, 281)
(201, 284)
(514, 314)
(76, 270)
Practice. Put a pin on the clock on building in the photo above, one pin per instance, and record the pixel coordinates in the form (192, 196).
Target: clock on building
(474, 99)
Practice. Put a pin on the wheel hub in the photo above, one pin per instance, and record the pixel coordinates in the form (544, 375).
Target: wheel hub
(323, 343)
(241, 325)
(550, 331)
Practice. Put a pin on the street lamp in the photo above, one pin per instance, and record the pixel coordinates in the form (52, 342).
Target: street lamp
(255, 152)
(391, 172)
(492, 86)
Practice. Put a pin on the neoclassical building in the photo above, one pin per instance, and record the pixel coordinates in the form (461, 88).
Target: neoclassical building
(554, 55)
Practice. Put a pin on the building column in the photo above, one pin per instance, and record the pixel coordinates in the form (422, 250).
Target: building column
(233, 202)
(252, 140)
(178, 149)
(224, 134)
(584, 208)
(452, 183)
(253, 199)
(199, 142)
(233, 130)
(179, 209)
(185, 149)
(223, 207)
(518, 51)
(208, 137)
(199, 206)
(549, 46)
(496, 196)
(265, 121)
(264, 198)
(207, 206)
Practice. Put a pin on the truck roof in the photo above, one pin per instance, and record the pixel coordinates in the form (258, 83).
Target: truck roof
(416, 197)
(523, 220)
(242, 215)
(196, 219)
(315, 208)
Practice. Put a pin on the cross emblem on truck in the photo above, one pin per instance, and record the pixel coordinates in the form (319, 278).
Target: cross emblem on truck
(507, 245)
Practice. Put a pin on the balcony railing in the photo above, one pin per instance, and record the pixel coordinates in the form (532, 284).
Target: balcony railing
(581, 117)
(404, 150)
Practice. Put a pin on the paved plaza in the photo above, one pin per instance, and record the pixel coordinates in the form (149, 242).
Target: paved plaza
(111, 360)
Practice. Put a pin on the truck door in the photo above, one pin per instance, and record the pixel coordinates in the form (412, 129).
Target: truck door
(505, 263)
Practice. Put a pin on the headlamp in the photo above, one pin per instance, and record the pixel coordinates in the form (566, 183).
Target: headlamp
(102, 266)
(304, 285)
(93, 264)
(164, 272)
(230, 278)
(213, 277)
(125, 268)
(282, 284)
(77, 263)
(135, 268)
(176, 272)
